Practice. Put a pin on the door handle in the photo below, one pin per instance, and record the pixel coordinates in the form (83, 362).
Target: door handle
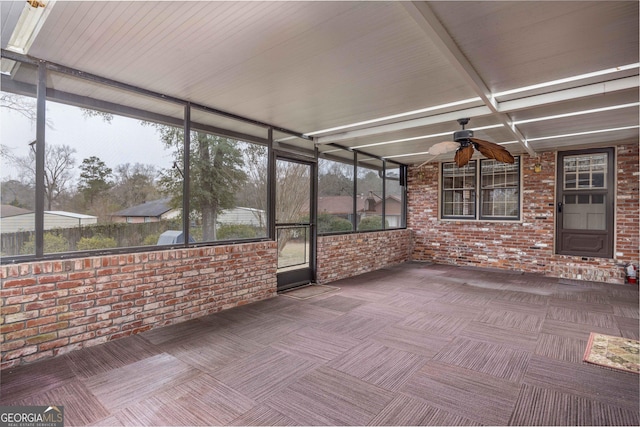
(559, 207)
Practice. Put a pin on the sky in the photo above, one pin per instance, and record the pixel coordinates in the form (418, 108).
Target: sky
(123, 140)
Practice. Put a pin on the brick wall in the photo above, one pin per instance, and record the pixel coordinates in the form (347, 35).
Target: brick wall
(527, 245)
(53, 307)
(347, 255)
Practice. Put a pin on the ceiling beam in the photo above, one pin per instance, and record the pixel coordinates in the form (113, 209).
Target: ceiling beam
(503, 106)
(569, 94)
(439, 36)
(408, 124)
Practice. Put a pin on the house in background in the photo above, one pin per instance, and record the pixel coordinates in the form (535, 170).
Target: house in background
(17, 219)
(158, 210)
(152, 211)
(245, 216)
(392, 210)
(342, 206)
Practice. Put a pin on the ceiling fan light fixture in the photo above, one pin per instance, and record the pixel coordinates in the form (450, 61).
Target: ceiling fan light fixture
(462, 135)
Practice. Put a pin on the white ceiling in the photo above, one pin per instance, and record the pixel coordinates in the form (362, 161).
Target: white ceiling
(313, 66)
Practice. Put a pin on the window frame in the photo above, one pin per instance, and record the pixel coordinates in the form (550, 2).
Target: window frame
(477, 189)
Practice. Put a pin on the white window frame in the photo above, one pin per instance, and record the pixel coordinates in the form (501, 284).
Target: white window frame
(476, 190)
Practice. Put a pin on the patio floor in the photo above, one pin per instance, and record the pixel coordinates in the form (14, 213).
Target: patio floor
(416, 344)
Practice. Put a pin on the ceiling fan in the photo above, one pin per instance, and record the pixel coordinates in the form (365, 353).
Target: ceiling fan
(463, 144)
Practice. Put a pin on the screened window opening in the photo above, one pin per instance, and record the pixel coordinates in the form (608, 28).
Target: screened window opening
(335, 196)
(132, 170)
(369, 200)
(18, 186)
(228, 197)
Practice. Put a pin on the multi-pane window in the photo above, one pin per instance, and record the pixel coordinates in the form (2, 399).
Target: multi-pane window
(459, 190)
(500, 189)
(481, 190)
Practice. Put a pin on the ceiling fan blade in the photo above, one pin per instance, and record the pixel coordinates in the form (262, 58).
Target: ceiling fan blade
(427, 161)
(443, 147)
(492, 150)
(463, 155)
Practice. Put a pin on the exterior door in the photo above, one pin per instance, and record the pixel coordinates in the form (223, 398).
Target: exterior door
(295, 228)
(585, 203)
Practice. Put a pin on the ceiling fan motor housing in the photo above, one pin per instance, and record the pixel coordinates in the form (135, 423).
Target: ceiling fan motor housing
(462, 135)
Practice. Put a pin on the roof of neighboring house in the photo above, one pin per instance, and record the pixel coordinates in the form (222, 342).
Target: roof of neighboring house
(10, 210)
(343, 205)
(70, 214)
(340, 205)
(153, 208)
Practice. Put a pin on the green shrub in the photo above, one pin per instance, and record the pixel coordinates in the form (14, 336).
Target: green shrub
(371, 223)
(236, 231)
(52, 244)
(328, 223)
(151, 239)
(96, 242)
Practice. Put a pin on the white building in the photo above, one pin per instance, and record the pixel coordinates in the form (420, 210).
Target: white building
(14, 221)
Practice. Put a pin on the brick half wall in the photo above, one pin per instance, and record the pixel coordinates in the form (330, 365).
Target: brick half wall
(348, 255)
(53, 307)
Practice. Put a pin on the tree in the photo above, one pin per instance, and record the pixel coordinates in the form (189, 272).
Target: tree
(215, 174)
(254, 193)
(18, 194)
(58, 163)
(336, 180)
(23, 105)
(135, 184)
(20, 104)
(369, 180)
(94, 178)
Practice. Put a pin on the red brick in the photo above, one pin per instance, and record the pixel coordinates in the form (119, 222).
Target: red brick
(40, 321)
(68, 284)
(72, 331)
(11, 283)
(11, 327)
(52, 278)
(19, 317)
(37, 289)
(81, 305)
(41, 338)
(81, 337)
(70, 300)
(53, 310)
(53, 327)
(20, 299)
(19, 353)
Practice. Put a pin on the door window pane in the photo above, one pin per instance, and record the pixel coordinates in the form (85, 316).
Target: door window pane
(592, 170)
(394, 197)
(293, 192)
